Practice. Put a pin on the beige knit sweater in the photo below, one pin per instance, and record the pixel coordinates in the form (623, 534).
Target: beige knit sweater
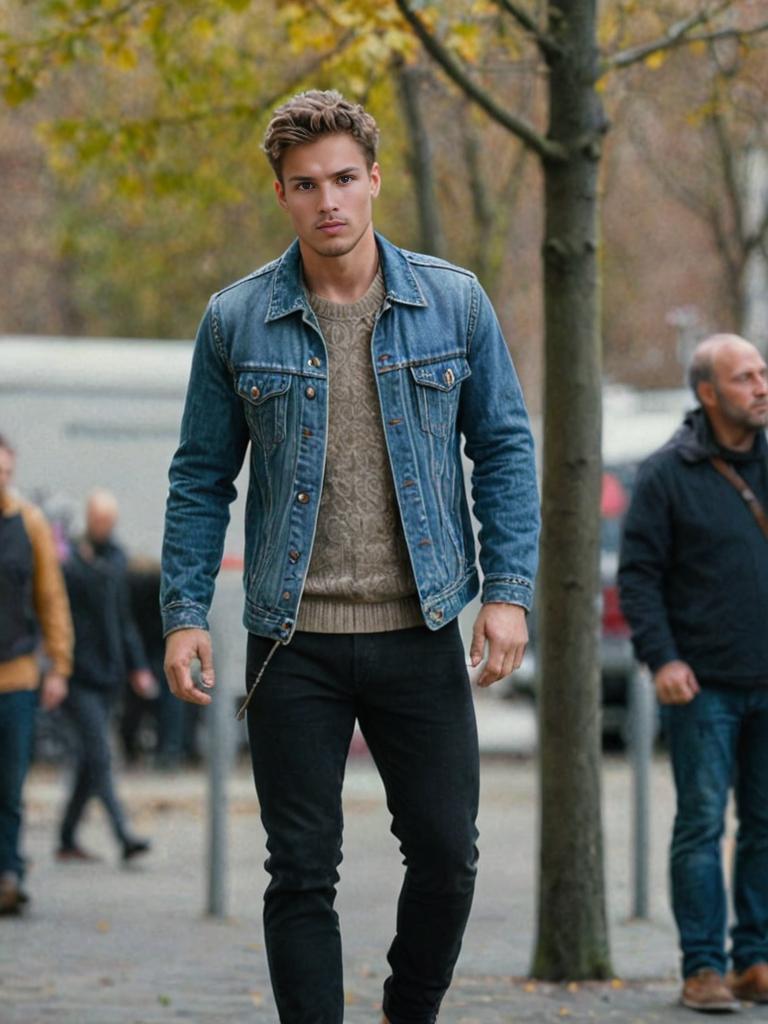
(360, 578)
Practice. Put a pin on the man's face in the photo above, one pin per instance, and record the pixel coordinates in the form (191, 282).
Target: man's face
(740, 387)
(100, 521)
(328, 192)
(7, 466)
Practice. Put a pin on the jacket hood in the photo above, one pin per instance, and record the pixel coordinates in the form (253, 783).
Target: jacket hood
(695, 441)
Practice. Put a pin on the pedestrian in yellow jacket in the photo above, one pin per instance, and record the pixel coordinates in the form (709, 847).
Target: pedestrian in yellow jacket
(34, 622)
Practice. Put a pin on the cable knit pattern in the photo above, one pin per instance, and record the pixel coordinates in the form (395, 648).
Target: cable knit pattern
(360, 578)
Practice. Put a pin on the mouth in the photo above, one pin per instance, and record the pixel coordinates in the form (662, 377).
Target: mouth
(331, 227)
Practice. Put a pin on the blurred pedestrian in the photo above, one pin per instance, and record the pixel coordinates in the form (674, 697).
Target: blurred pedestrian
(353, 368)
(107, 649)
(33, 612)
(693, 578)
(162, 716)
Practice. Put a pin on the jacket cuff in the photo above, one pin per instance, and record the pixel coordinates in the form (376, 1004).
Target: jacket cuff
(655, 660)
(508, 590)
(183, 615)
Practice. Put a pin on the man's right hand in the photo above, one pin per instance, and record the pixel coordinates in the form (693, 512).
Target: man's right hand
(182, 647)
(675, 683)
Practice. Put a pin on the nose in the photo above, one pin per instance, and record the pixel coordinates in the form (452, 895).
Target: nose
(327, 198)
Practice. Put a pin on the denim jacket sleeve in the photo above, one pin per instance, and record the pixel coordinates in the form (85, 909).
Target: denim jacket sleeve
(498, 440)
(214, 438)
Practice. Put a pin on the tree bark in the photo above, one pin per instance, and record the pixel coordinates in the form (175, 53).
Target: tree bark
(572, 940)
(419, 157)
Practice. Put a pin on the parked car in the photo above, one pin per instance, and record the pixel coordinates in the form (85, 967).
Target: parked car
(616, 657)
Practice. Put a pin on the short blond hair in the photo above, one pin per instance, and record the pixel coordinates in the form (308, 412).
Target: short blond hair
(308, 116)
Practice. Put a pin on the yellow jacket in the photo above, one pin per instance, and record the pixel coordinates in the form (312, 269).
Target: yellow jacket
(50, 602)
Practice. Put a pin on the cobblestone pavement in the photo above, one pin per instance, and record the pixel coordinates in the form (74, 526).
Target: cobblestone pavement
(103, 944)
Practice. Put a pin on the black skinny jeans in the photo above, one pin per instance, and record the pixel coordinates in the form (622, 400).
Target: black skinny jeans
(410, 692)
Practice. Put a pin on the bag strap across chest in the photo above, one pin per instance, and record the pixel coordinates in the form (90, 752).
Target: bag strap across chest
(748, 495)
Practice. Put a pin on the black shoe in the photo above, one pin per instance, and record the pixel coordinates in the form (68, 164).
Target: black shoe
(76, 854)
(135, 848)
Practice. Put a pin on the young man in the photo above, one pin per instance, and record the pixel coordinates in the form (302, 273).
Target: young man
(33, 608)
(694, 587)
(353, 368)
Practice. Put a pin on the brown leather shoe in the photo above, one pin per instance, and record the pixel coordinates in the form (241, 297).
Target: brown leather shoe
(751, 985)
(75, 854)
(707, 992)
(12, 899)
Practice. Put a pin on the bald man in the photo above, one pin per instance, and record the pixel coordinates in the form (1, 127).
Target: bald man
(693, 579)
(108, 649)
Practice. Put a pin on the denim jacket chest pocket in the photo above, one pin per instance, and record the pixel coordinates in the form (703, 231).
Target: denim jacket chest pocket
(437, 393)
(265, 402)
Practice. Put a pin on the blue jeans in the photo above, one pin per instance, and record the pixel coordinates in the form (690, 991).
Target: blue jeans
(17, 729)
(718, 740)
(410, 693)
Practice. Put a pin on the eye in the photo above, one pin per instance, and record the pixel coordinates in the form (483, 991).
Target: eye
(344, 179)
(304, 186)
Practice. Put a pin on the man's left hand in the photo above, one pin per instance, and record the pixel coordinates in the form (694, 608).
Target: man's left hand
(143, 683)
(53, 690)
(505, 629)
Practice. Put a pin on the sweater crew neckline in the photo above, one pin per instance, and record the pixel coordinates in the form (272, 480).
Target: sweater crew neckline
(362, 307)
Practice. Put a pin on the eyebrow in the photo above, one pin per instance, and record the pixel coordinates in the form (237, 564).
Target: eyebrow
(334, 174)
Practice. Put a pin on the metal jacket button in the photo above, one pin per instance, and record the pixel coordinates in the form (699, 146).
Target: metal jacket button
(448, 376)
(302, 497)
(294, 555)
(255, 393)
(310, 392)
(314, 361)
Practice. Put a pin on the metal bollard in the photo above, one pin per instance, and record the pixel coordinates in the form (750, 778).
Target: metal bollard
(219, 759)
(642, 730)
(229, 659)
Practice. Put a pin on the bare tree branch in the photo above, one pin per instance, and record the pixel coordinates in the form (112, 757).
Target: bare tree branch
(733, 191)
(675, 36)
(546, 43)
(452, 67)
(757, 239)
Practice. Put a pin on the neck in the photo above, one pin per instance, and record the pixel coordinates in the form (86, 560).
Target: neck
(344, 278)
(735, 437)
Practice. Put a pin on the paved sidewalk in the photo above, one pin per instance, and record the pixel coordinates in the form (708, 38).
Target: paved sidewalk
(107, 945)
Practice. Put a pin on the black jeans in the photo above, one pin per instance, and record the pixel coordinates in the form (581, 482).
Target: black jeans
(410, 693)
(89, 712)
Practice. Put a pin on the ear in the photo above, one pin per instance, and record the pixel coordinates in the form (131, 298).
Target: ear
(375, 176)
(707, 394)
(280, 193)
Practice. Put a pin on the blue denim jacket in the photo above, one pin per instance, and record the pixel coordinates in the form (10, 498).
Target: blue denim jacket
(259, 375)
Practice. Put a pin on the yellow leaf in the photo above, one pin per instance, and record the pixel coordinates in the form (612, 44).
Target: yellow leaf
(202, 27)
(617, 983)
(655, 60)
(103, 927)
(124, 58)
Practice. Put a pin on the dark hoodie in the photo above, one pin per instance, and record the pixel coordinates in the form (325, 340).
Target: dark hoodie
(693, 571)
(107, 643)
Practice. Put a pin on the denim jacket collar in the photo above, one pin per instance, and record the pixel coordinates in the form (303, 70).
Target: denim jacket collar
(288, 294)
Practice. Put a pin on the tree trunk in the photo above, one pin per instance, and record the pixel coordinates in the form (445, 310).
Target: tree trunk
(409, 80)
(572, 939)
